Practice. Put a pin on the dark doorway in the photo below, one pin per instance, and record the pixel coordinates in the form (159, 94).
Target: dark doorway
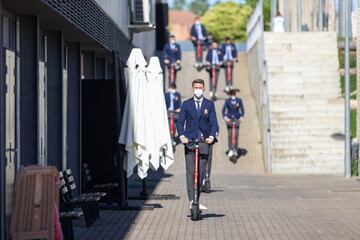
(100, 130)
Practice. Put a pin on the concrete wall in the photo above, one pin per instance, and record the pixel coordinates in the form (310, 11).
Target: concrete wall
(256, 78)
(118, 10)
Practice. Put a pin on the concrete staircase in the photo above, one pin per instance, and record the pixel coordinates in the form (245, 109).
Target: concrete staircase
(306, 108)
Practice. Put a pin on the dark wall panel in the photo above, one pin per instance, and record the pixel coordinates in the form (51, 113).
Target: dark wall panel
(88, 65)
(73, 131)
(99, 128)
(2, 142)
(110, 71)
(162, 21)
(54, 109)
(100, 68)
(28, 88)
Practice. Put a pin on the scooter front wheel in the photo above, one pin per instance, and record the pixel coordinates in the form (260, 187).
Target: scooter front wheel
(233, 159)
(195, 212)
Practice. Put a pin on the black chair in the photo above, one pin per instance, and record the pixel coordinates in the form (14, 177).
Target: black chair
(89, 186)
(69, 203)
(93, 197)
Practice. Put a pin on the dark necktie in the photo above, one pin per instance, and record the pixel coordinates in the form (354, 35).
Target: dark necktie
(198, 107)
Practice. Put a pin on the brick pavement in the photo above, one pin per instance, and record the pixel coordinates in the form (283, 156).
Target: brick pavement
(244, 204)
(243, 207)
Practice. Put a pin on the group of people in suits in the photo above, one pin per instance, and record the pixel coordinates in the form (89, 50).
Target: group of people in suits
(216, 58)
(195, 118)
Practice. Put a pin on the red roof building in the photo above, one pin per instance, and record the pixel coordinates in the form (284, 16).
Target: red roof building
(180, 23)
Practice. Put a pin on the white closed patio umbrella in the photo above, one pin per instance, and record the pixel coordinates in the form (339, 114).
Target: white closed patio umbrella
(129, 136)
(163, 152)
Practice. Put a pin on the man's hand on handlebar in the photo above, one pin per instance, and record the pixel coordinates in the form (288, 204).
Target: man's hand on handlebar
(166, 61)
(209, 140)
(227, 119)
(184, 140)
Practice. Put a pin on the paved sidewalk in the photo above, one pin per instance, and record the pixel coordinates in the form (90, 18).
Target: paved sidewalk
(243, 207)
(244, 203)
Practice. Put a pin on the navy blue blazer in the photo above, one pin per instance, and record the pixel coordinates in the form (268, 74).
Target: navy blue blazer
(209, 55)
(172, 54)
(189, 123)
(233, 109)
(177, 100)
(194, 33)
(233, 50)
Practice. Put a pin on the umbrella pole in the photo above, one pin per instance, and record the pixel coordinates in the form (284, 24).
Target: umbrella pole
(144, 195)
(143, 192)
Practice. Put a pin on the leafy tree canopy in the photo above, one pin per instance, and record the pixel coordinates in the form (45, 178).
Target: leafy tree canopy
(199, 7)
(227, 19)
(179, 4)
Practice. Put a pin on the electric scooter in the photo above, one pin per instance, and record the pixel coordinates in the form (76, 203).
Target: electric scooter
(198, 60)
(172, 73)
(172, 130)
(195, 208)
(213, 81)
(233, 151)
(228, 75)
(173, 68)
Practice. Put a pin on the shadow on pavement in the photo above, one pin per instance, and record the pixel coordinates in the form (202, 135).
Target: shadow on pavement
(216, 190)
(114, 223)
(212, 215)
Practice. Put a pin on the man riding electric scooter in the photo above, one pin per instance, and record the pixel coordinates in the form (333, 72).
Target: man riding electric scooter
(198, 35)
(197, 127)
(229, 53)
(233, 112)
(173, 105)
(172, 58)
(214, 61)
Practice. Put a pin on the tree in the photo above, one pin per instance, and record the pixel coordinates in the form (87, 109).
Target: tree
(199, 7)
(227, 19)
(179, 4)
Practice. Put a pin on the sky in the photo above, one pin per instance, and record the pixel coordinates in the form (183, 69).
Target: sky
(210, 1)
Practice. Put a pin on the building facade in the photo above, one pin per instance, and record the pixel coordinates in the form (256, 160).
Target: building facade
(59, 61)
(305, 14)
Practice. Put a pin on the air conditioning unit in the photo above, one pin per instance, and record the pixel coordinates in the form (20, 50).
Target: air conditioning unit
(140, 16)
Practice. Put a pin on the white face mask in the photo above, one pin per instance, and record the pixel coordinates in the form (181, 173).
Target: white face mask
(198, 93)
(197, 22)
(233, 97)
(172, 41)
(172, 90)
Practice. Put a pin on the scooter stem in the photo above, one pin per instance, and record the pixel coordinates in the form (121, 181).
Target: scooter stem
(196, 173)
(198, 51)
(172, 128)
(172, 73)
(213, 77)
(228, 72)
(233, 139)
